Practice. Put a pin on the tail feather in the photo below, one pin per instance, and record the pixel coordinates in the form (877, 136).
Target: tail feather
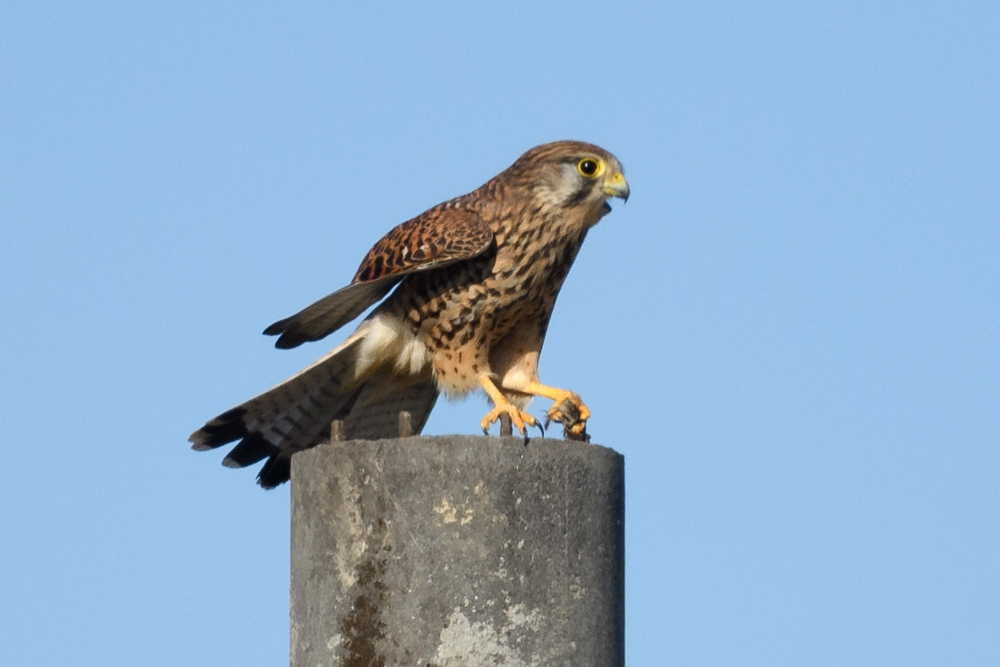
(276, 471)
(379, 405)
(296, 414)
(253, 448)
(288, 418)
(225, 428)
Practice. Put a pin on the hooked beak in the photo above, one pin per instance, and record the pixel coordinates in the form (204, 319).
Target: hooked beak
(615, 185)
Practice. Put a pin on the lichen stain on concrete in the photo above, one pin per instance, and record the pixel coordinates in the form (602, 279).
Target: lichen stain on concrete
(449, 513)
(446, 511)
(463, 643)
(518, 616)
(577, 590)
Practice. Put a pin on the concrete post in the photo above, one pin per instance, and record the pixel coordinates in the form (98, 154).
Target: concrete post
(440, 551)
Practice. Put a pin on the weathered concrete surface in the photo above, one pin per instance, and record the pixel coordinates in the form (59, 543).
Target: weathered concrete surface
(458, 551)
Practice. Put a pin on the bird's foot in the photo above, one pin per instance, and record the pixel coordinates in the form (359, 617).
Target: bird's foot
(570, 411)
(518, 418)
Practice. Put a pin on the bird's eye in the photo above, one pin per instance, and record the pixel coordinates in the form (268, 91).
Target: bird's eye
(588, 167)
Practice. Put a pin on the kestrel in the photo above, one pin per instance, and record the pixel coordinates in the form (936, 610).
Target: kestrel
(475, 281)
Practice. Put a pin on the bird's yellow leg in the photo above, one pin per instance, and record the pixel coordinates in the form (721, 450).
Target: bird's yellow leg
(500, 406)
(568, 408)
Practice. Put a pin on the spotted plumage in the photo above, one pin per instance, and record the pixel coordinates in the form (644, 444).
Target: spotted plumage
(476, 279)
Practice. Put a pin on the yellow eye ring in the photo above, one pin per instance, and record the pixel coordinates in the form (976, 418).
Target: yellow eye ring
(590, 167)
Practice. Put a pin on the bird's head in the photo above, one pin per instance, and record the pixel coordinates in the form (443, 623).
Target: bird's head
(574, 174)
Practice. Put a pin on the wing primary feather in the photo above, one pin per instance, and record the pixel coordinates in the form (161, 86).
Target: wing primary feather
(329, 313)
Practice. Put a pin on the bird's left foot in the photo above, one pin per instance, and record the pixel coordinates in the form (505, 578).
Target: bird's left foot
(502, 406)
(519, 419)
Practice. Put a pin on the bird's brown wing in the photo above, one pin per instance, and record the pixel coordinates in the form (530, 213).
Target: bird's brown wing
(441, 236)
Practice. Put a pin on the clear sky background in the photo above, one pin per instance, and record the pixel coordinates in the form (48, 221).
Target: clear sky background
(791, 331)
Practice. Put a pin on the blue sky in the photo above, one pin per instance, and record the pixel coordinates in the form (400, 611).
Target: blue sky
(791, 330)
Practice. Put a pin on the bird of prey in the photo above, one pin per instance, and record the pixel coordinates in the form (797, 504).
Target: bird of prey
(475, 282)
